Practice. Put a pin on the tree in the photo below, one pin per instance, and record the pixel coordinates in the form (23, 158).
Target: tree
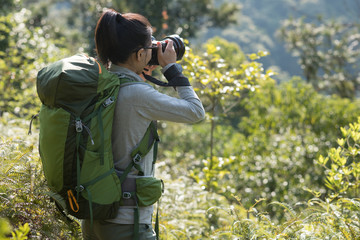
(71, 21)
(24, 49)
(230, 52)
(329, 53)
(183, 17)
(79, 17)
(220, 85)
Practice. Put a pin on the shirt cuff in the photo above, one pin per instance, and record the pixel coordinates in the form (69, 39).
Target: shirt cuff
(163, 70)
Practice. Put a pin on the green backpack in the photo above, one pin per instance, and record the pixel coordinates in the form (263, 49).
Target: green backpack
(78, 98)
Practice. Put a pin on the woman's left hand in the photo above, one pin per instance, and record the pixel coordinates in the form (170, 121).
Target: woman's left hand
(148, 71)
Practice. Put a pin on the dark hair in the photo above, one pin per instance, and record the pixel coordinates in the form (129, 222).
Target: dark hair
(118, 35)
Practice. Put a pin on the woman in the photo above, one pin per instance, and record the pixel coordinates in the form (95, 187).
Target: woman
(123, 43)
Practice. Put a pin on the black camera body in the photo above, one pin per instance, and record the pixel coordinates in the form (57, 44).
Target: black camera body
(179, 47)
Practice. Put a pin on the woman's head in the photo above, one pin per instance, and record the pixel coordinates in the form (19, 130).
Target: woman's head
(117, 35)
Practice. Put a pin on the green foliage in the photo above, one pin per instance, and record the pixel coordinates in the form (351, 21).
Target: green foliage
(230, 52)
(282, 129)
(22, 232)
(23, 50)
(69, 24)
(342, 163)
(259, 20)
(266, 146)
(267, 141)
(319, 220)
(78, 18)
(5, 229)
(183, 17)
(185, 210)
(7, 6)
(247, 172)
(220, 82)
(328, 51)
(22, 190)
(208, 216)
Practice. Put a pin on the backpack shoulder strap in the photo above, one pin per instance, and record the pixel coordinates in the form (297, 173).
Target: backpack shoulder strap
(125, 81)
(150, 139)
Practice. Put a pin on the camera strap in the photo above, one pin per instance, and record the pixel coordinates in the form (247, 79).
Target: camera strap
(155, 81)
(176, 81)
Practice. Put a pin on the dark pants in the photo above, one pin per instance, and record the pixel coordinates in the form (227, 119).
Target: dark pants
(102, 230)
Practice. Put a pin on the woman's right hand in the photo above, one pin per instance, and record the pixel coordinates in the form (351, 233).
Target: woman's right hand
(168, 56)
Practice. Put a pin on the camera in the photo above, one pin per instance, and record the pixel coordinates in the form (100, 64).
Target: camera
(178, 46)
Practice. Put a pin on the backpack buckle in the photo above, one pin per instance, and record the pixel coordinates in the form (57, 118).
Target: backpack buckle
(137, 158)
(126, 195)
(108, 101)
(79, 188)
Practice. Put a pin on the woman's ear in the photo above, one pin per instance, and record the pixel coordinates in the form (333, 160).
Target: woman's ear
(139, 54)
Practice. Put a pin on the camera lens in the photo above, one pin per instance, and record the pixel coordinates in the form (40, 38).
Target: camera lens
(178, 46)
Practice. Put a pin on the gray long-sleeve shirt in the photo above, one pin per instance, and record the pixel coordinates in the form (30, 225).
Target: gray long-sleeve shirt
(137, 105)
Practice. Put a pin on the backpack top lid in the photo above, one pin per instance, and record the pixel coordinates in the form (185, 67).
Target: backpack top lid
(73, 83)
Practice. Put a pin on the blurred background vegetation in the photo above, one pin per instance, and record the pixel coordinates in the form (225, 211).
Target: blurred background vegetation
(278, 154)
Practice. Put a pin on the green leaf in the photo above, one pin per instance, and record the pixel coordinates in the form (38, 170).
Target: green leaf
(22, 232)
(5, 228)
(341, 142)
(253, 56)
(322, 160)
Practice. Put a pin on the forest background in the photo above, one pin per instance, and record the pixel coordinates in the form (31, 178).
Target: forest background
(278, 154)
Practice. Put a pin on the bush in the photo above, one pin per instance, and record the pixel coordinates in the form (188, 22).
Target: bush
(266, 148)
